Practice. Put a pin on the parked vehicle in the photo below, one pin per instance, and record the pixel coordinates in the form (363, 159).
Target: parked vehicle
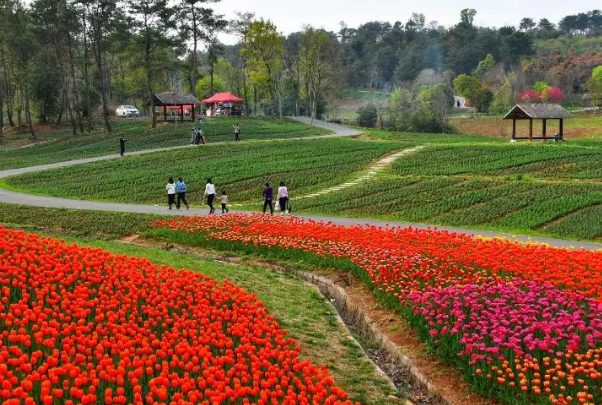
(127, 111)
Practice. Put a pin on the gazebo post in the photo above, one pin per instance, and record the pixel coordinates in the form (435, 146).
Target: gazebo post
(530, 129)
(182, 113)
(545, 128)
(164, 113)
(561, 128)
(513, 128)
(193, 113)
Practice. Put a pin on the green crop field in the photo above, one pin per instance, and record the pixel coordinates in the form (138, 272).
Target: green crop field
(241, 169)
(553, 189)
(57, 145)
(541, 161)
(467, 181)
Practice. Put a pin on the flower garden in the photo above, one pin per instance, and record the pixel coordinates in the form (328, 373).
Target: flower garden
(83, 326)
(522, 322)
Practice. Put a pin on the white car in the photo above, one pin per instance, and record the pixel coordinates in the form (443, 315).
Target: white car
(127, 111)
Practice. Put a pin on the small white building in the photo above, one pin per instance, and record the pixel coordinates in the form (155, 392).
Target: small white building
(459, 102)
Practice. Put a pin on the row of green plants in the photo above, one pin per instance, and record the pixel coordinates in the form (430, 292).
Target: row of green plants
(139, 137)
(98, 224)
(239, 169)
(560, 209)
(549, 161)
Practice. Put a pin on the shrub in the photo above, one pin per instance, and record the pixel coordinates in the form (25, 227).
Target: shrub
(483, 99)
(367, 115)
(529, 96)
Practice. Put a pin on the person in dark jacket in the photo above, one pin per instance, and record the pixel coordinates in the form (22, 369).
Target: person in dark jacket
(122, 146)
(268, 196)
(181, 191)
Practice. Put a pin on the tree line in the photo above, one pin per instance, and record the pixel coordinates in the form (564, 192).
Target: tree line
(63, 61)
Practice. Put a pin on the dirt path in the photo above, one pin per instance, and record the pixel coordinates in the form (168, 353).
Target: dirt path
(372, 171)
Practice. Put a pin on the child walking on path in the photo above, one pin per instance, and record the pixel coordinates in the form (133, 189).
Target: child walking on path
(181, 190)
(171, 192)
(225, 209)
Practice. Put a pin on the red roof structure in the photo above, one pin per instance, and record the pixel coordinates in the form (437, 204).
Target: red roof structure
(223, 98)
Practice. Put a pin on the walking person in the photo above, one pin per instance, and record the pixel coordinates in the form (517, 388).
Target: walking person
(122, 146)
(210, 193)
(225, 209)
(236, 132)
(181, 190)
(283, 198)
(268, 195)
(171, 192)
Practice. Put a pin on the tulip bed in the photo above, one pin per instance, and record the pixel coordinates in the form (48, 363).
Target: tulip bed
(538, 161)
(556, 208)
(240, 169)
(522, 322)
(140, 136)
(83, 326)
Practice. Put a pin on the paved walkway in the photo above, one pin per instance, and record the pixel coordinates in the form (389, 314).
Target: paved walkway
(11, 197)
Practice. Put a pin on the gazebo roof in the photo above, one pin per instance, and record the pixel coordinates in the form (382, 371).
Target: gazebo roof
(172, 98)
(223, 98)
(537, 111)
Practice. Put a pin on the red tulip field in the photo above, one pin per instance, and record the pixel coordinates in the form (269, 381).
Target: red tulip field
(83, 326)
(522, 322)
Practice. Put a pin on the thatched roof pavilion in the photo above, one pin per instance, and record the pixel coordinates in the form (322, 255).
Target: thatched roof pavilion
(542, 111)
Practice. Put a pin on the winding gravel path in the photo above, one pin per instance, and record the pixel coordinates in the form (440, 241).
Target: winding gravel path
(11, 197)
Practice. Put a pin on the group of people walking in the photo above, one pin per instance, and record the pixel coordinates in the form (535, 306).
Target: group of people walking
(197, 136)
(282, 204)
(176, 195)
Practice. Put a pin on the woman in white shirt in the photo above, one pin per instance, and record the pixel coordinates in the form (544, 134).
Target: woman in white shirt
(283, 197)
(210, 193)
(171, 192)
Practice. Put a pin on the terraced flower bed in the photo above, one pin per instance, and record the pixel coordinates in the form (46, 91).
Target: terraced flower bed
(140, 136)
(522, 323)
(554, 208)
(240, 169)
(83, 326)
(539, 161)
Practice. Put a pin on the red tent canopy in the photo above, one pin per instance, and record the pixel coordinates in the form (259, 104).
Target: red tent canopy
(223, 98)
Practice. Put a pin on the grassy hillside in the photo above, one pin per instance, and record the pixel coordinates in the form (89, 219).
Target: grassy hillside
(58, 145)
(241, 169)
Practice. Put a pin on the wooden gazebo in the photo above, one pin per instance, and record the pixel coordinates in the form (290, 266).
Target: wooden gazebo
(180, 102)
(542, 112)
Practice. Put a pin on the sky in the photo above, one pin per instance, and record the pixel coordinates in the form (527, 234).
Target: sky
(291, 15)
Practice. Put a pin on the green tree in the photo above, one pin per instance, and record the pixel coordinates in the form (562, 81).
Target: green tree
(594, 86)
(263, 47)
(597, 75)
(467, 86)
(367, 115)
(540, 86)
(207, 85)
(527, 24)
(316, 56)
(152, 22)
(199, 23)
(21, 48)
(485, 66)
(102, 20)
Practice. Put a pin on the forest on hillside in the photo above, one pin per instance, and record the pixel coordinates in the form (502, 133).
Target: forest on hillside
(69, 60)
